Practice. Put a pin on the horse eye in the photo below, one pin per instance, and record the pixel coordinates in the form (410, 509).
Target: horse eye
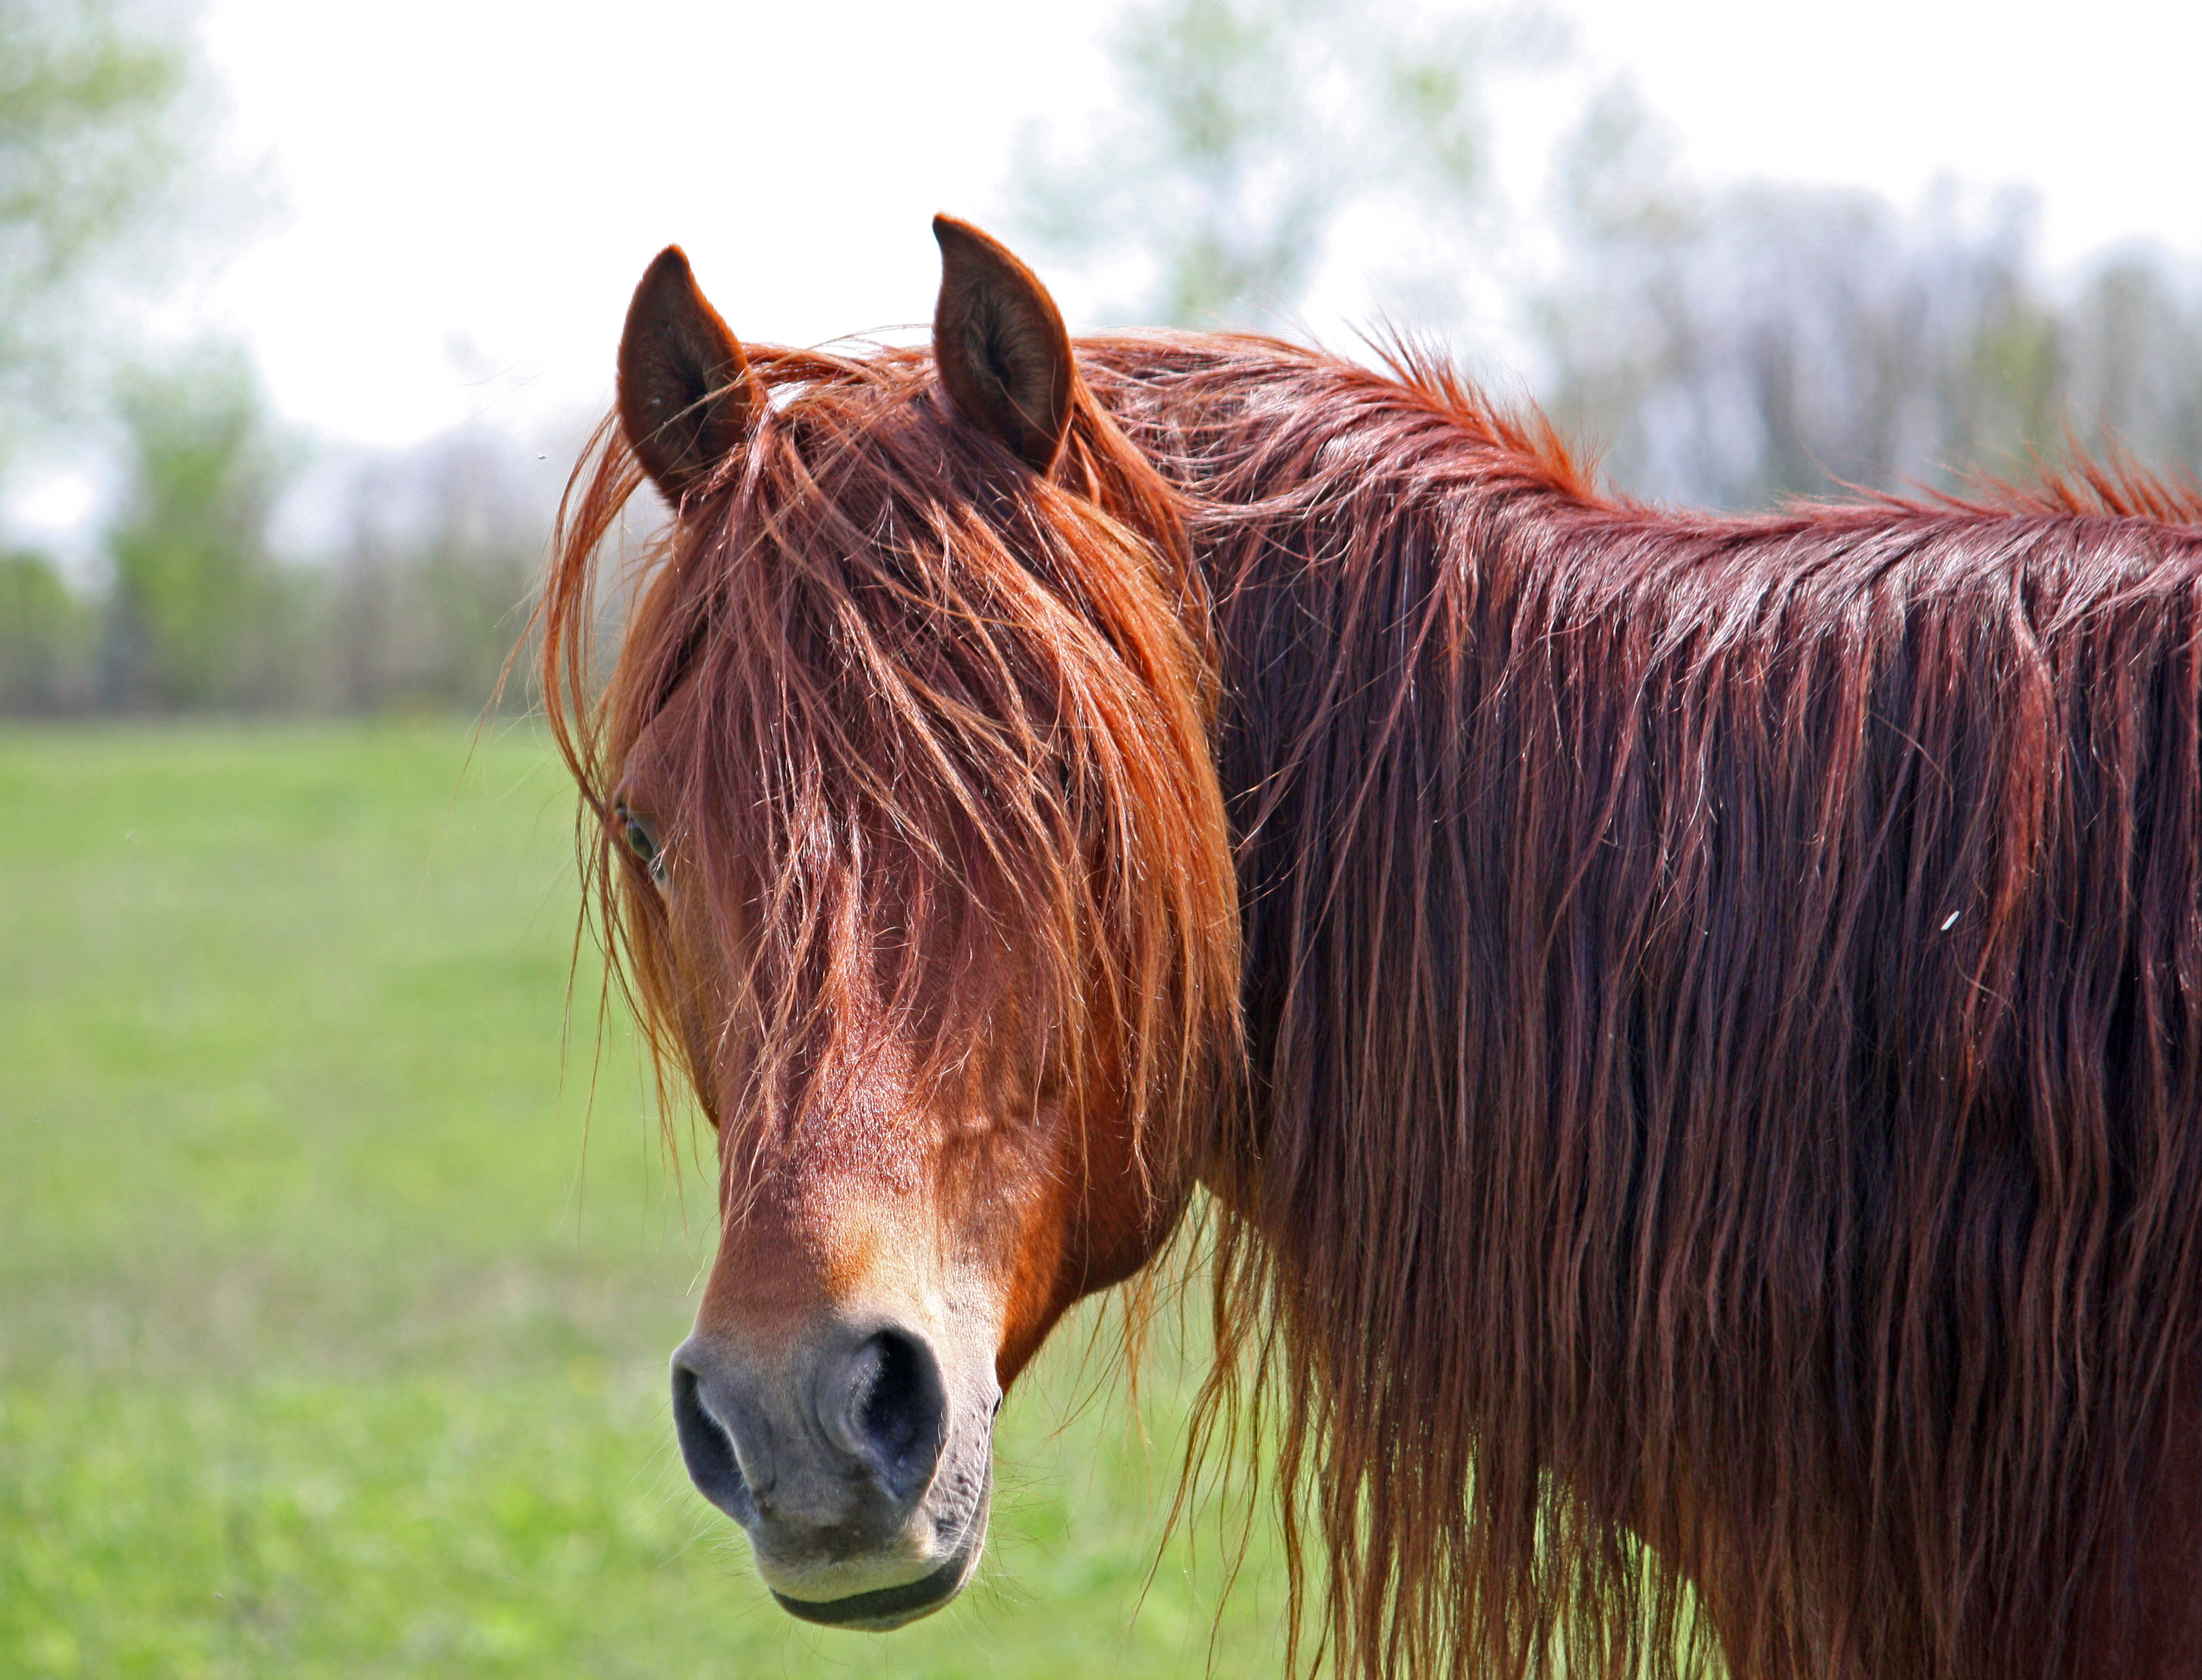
(642, 840)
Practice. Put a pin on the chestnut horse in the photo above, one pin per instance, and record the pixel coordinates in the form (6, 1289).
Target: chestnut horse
(1690, 1027)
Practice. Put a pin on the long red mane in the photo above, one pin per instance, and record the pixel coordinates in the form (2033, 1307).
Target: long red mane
(1725, 1011)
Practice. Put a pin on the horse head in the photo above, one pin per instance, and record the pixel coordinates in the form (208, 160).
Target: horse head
(905, 828)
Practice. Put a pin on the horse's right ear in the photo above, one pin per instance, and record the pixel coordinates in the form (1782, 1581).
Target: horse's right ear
(685, 396)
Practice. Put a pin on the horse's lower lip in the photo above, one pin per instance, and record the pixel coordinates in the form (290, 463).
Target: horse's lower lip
(888, 1607)
(891, 1607)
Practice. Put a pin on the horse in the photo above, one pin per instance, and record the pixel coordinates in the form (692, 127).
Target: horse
(1684, 1030)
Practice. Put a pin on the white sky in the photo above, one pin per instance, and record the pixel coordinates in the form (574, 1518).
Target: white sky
(472, 187)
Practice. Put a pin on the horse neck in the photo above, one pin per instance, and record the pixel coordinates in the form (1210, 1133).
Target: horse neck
(1549, 813)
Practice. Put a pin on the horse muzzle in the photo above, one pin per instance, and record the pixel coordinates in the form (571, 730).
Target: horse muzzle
(859, 1465)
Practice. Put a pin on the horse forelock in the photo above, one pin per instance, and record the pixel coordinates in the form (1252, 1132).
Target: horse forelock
(940, 735)
(1724, 1014)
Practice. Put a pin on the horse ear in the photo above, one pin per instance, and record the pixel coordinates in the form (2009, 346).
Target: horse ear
(685, 396)
(999, 343)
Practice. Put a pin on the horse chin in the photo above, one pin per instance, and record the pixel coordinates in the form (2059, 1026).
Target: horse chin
(883, 1609)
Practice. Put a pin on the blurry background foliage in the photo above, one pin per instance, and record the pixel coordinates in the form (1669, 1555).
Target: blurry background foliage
(101, 109)
(1246, 132)
(115, 201)
(1731, 345)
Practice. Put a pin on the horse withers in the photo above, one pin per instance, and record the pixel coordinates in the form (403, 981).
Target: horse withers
(1692, 1025)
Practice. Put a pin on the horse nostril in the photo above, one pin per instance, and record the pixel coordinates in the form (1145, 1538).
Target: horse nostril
(706, 1448)
(897, 1409)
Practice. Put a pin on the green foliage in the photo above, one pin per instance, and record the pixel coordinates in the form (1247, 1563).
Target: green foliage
(334, 1309)
(1761, 340)
(1748, 344)
(106, 186)
(1247, 128)
(1217, 83)
(46, 638)
(198, 607)
(98, 127)
(2128, 350)
(430, 592)
(419, 609)
(1735, 345)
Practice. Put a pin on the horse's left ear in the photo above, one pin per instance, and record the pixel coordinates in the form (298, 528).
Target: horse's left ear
(1000, 347)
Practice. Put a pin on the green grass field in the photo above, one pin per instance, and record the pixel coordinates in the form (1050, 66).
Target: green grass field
(333, 1323)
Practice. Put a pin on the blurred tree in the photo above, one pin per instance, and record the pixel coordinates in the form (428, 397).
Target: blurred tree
(1247, 128)
(107, 116)
(2131, 358)
(200, 615)
(106, 112)
(46, 638)
(432, 581)
(1766, 340)
(103, 113)
(1732, 345)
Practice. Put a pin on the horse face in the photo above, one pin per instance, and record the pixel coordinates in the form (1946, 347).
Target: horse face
(882, 1273)
(930, 1146)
